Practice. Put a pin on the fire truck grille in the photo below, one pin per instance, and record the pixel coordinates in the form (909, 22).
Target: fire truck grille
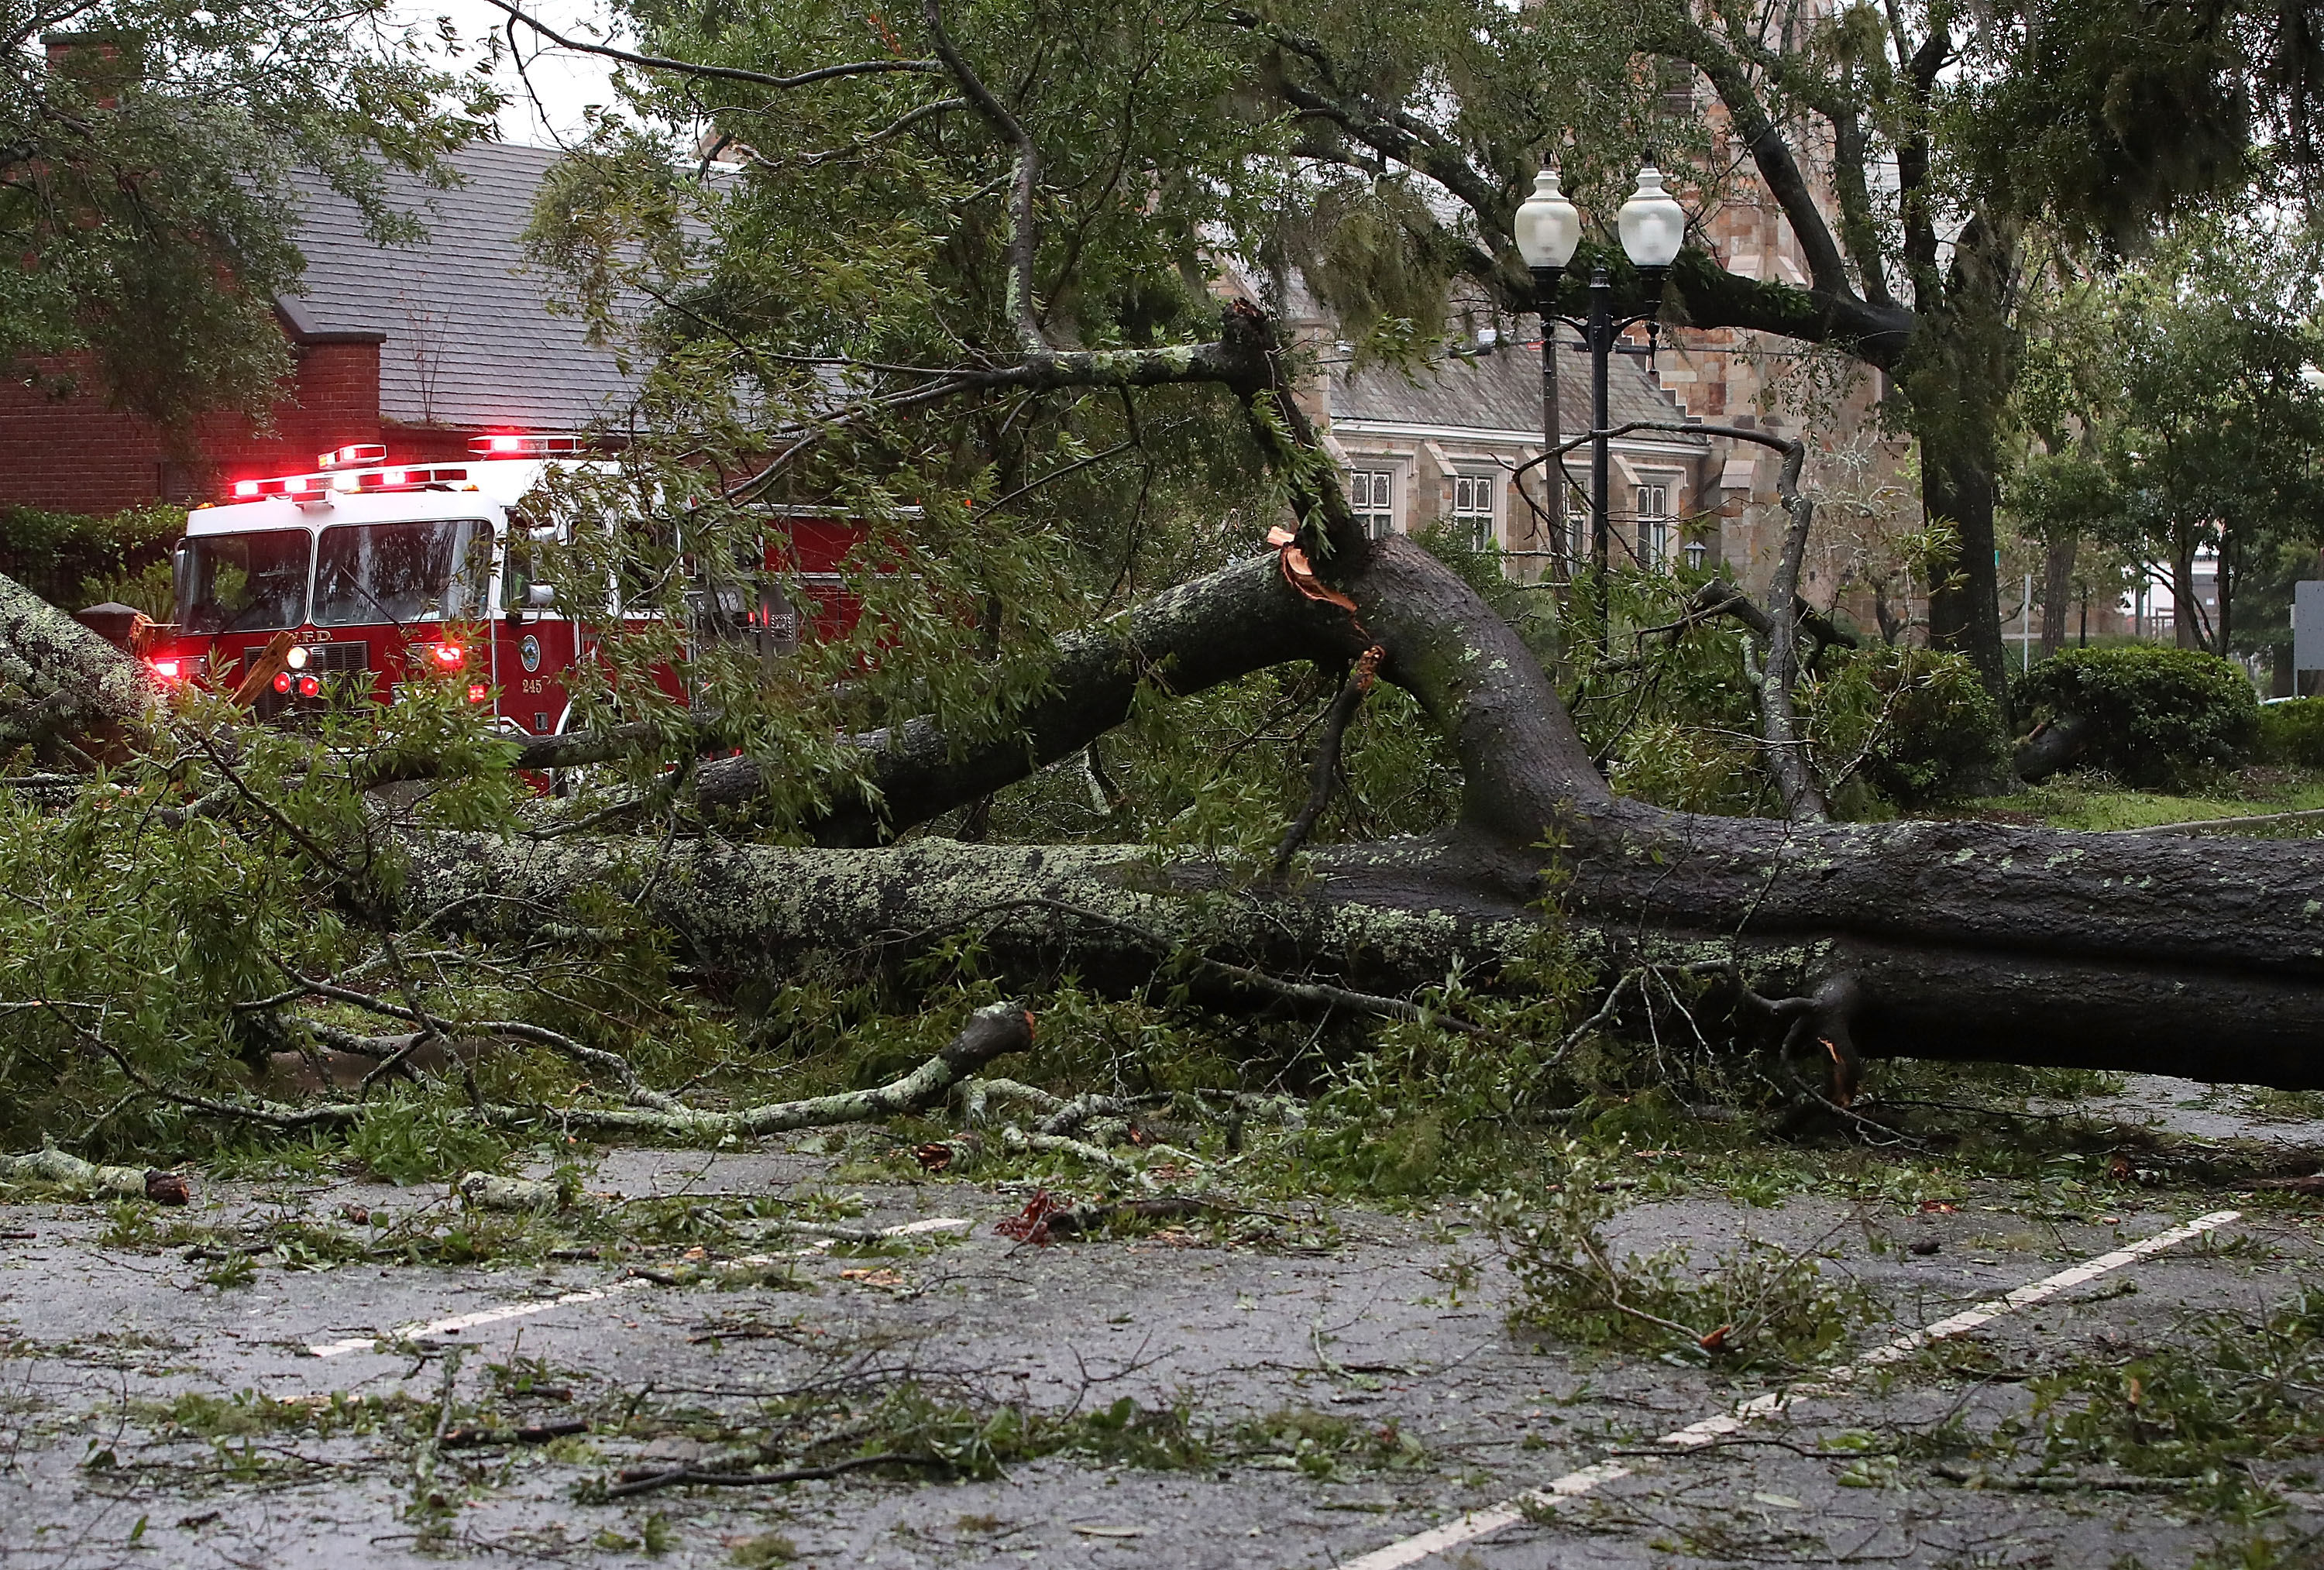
(322, 659)
(330, 658)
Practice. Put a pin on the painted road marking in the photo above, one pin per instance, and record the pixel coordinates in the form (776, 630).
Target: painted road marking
(1482, 1523)
(459, 1322)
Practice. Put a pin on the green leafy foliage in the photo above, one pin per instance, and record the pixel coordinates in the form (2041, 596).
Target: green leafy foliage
(2293, 732)
(2233, 1390)
(149, 150)
(2169, 402)
(141, 926)
(1755, 1303)
(1916, 721)
(72, 560)
(2156, 712)
(412, 1140)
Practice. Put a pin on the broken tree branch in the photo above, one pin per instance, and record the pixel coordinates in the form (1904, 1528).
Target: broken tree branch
(51, 1165)
(1323, 774)
(992, 1032)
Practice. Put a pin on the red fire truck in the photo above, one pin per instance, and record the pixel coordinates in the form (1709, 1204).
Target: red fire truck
(375, 569)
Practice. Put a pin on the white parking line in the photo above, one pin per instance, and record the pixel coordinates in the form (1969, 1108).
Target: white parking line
(1481, 1523)
(459, 1322)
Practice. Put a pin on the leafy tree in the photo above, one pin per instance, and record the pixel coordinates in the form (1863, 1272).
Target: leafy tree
(2220, 445)
(2095, 121)
(2188, 422)
(151, 155)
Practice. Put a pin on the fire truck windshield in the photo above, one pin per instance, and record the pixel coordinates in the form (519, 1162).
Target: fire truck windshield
(400, 573)
(245, 582)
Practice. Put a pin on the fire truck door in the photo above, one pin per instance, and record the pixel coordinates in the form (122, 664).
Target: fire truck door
(533, 643)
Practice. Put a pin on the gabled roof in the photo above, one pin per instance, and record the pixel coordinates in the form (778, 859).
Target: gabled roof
(1501, 392)
(466, 335)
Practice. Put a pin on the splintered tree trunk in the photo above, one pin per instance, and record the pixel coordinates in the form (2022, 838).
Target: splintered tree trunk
(1946, 939)
(62, 688)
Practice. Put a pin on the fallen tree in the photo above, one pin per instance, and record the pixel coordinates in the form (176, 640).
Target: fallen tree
(1826, 940)
(1952, 939)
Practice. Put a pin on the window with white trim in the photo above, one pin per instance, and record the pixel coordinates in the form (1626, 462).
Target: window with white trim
(1472, 510)
(1371, 497)
(1657, 525)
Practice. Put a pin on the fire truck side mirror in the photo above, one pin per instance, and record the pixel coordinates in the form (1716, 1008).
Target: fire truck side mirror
(539, 596)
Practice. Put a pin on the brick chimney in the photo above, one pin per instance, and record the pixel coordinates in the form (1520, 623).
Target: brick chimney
(101, 61)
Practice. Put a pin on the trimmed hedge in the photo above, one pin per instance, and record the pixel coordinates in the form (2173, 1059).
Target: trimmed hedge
(2155, 713)
(72, 560)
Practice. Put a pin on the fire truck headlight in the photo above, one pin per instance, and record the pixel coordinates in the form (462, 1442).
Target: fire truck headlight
(281, 680)
(297, 658)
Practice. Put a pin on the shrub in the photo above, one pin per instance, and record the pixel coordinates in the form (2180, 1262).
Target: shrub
(1919, 718)
(1687, 769)
(2293, 732)
(2155, 713)
(71, 560)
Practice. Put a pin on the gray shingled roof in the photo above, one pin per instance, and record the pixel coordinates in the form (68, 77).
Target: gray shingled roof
(469, 337)
(1502, 391)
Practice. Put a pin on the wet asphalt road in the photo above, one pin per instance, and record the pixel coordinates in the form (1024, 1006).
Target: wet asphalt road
(1375, 1320)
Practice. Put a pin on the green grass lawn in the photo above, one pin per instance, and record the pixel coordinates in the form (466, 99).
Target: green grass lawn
(2094, 802)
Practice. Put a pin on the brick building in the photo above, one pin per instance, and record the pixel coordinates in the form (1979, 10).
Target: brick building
(419, 346)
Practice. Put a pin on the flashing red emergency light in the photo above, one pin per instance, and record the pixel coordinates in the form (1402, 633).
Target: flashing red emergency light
(408, 479)
(475, 692)
(353, 455)
(450, 656)
(169, 668)
(281, 680)
(285, 485)
(510, 444)
(310, 686)
(298, 486)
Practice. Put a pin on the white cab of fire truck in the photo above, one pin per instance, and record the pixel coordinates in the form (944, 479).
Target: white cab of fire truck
(374, 568)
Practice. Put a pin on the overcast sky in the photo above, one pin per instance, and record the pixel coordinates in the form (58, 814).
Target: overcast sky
(567, 84)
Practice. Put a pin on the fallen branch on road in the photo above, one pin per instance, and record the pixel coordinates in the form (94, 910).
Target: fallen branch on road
(697, 1477)
(51, 1165)
(992, 1032)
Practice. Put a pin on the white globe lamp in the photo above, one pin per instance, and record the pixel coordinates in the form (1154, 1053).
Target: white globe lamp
(1548, 228)
(1653, 226)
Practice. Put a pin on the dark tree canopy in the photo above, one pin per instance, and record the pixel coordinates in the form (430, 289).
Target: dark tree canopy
(147, 153)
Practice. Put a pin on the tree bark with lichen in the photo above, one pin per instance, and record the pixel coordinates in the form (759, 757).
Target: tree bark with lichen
(1936, 939)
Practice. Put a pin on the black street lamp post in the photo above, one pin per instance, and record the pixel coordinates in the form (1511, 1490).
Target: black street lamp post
(1548, 231)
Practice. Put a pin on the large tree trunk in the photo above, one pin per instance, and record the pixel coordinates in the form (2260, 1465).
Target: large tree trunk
(62, 688)
(1957, 485)
(2056, 589)
(1952, 939)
